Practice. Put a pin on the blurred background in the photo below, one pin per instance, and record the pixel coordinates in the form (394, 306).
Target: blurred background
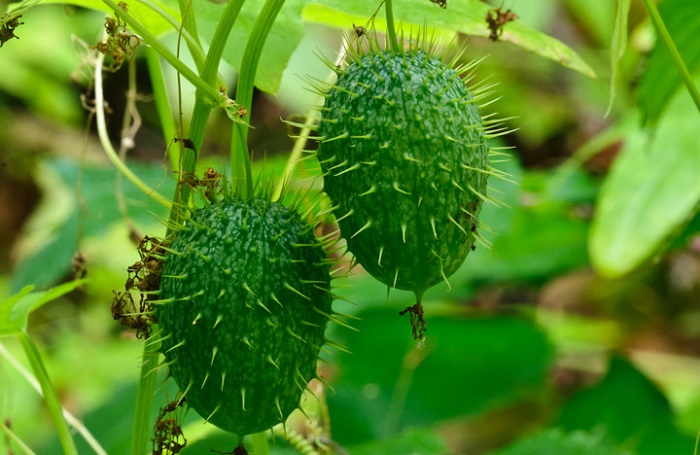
(537, 348)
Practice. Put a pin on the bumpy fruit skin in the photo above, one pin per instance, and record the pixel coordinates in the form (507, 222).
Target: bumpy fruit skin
(403, 150)
(247, 298)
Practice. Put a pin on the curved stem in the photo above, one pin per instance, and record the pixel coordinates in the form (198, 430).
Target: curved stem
(260, 443)
(390, 29)
(107, 144)
(665, 37)
(50, 396)
(240, 158)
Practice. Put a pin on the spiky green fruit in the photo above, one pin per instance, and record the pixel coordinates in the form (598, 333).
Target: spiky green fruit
(405, 159)
(246, 297)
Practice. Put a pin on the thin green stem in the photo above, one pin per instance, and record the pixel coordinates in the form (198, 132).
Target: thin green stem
(107, 144)
(12, 437)
(303, 136)
(70, 418)
(665, 37)
(189, 25)
(390, 29)
(240, 157)
(141, 430)
(211, 93)
(50, 396)
(161, 99)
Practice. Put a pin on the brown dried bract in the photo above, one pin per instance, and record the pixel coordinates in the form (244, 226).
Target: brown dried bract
(441, 3)
(417, 321)
(167, 432)
(120, 43)
(133, 306)
(497, 19)
(7, 31)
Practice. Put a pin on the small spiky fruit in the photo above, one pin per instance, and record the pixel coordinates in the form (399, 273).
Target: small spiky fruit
(404, 156)
(245, 294)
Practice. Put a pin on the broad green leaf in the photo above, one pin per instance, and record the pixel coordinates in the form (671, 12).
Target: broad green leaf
(284, 37)
(469, 365)
(15, 310)
(460, 16)
(56, 246)
(630, 409)
(619, 45)
(652, 190)
(661, 79)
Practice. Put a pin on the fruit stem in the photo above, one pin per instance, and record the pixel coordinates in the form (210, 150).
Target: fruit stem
(665, 37)
(390, 29)
(240, 158)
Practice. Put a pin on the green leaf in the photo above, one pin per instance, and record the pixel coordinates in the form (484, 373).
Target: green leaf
(618, 46)
(460, 16)
(661, 79)
(651, 191)
(389, 385)
(285, 36)
(631, 410)
(557, 442)
(414, 441)
(99, 209)
(15, 310)
(149, 18)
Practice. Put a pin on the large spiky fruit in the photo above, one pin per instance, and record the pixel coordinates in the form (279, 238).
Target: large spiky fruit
(405, 159)
(245, 294)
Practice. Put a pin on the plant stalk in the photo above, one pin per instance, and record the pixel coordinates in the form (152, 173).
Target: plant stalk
(240, 158)
(390, 28)
(211, 94)
(50, 396)
(141, 429)
(665, 37)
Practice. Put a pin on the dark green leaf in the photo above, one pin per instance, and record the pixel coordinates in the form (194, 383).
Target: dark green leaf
(557, 442)
(468, 366)
(631, 410)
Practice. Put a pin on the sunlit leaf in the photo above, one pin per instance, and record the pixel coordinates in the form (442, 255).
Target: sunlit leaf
(463, 16)
(661, 80)
(15, 310)
(652, 189)
(139, 10)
